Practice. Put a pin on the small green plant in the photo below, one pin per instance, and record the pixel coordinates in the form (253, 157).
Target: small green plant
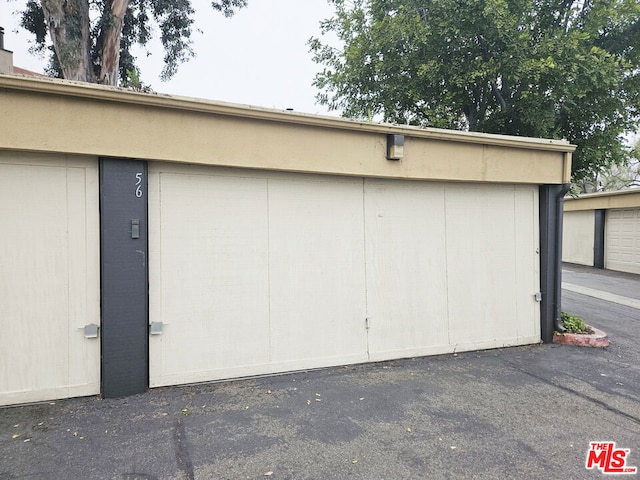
(574, 324)
(134, 83)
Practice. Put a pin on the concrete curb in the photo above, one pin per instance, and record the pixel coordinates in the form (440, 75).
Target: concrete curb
(596, 339)
(609, 297)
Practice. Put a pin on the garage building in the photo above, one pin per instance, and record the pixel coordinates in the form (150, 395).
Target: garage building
(603, 230)
(151, 240)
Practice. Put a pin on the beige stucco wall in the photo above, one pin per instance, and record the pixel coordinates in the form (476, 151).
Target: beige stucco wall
(55, 116)
(578, 237)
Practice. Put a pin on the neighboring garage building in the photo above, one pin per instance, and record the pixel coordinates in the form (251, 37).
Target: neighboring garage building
(210, 241)
(603, 230)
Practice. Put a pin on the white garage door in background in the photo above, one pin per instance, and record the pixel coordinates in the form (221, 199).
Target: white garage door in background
(622, 240)
(578, 234)
(49, 277)
(258, 272)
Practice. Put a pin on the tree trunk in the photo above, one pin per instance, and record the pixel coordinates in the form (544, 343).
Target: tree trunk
(110, 42)
(68, 23)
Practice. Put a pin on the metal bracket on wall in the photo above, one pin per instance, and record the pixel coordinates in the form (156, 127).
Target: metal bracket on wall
(155, 328)
(538, 296)
(91, 330)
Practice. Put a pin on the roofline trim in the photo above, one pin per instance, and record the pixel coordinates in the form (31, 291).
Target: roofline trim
(114, 94)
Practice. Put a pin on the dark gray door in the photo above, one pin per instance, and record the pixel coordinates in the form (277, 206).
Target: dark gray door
(125, 310)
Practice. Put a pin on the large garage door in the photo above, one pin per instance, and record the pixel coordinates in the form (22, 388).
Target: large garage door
(450, 267)
(622, 244)
(260, 272)
(253, 273)
(49, 278)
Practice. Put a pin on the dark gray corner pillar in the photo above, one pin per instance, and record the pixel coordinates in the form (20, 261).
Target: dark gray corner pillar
(124, 277)
(598, 240)
(551, 214)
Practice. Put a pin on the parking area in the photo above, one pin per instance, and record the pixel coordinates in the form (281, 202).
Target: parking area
(521, 412)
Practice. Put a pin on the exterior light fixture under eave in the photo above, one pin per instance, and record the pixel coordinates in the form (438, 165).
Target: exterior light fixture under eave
(395, 146)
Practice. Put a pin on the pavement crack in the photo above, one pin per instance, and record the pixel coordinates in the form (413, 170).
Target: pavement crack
(596, 401)
(182, 453)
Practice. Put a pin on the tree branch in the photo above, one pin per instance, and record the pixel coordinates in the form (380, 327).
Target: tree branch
(68, 24)
(111, 35)
(498, 95)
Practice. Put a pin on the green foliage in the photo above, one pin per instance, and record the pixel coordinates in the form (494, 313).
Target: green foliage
(574, 324)
(227, 7)
(133, 82)
(538, 68)
(33, 21)
(173, 18)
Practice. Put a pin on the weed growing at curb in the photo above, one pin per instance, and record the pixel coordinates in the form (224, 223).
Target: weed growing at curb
(575, 324)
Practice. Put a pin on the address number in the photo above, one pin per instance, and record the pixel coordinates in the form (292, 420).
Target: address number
(138, 185)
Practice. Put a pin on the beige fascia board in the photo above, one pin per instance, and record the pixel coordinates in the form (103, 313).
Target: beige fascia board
(72, 117)
(604, 201)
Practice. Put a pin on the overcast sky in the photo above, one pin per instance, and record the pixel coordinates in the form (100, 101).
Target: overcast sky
(257, 57)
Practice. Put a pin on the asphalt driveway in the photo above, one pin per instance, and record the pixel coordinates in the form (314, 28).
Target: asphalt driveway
(525, 412)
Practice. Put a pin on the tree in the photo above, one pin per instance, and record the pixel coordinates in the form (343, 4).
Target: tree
(91, 40)
(539, 68)
(620, 176)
